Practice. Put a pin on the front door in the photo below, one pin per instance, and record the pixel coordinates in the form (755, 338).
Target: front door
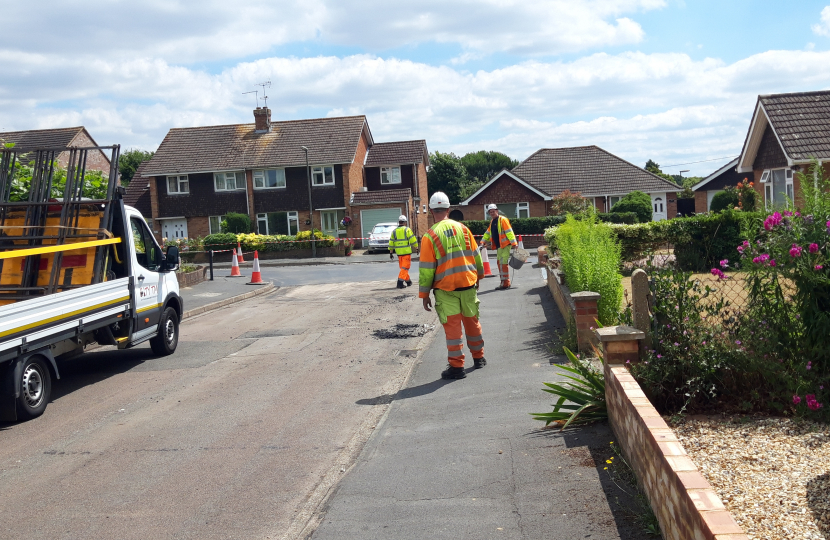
(146, 265)
(658, 206)
(174, 229)
(329, 220)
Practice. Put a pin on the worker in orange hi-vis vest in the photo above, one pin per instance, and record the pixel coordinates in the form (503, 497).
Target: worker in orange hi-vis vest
(450, 264)
(401, 242)
(503, 241)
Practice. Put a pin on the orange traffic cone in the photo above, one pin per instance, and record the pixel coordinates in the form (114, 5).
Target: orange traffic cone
(485, 259)
(235, 267)
(521, 244)
(256, 276)
(239, 258)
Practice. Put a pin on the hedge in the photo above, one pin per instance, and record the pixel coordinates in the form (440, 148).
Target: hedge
(700, 242)
(264, 243)
(538, 225)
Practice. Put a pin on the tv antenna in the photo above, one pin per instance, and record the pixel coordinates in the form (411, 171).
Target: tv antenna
(255, 97)
(264, 85)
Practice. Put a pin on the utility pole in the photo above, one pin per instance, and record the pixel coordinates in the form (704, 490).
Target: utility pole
(310, 204)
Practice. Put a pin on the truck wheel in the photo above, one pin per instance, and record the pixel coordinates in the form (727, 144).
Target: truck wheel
(35, 388)
(168, 337)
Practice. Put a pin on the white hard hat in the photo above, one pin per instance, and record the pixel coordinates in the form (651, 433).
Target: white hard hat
(492, 207)
(402, 218)
(439, 200)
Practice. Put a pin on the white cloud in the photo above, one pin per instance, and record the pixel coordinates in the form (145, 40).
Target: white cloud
(823, 27)
(183, 31)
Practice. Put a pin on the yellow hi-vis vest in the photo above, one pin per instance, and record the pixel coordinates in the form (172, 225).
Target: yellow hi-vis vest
(449, 259)
(401, 240)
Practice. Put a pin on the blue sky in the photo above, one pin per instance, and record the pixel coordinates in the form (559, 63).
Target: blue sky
(674, 81)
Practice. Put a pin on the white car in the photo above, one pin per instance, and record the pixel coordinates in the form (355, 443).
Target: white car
(379, 237)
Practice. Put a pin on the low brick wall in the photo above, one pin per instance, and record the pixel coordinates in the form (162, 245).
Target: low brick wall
(682, 499)
(188, 279)
(579, 307)
(203, 258)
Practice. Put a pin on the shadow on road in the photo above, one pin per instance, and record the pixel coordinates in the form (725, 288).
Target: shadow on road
(406, 393)
(542, 337)
(590, 446)
(91, 368)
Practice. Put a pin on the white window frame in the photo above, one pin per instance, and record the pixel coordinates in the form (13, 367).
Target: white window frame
(291, 215)
(612, 202)
(262, 218)
(519, 206)
(218, 224)
(181, 181)
(261, 178)
(320, 172)
(392, 175)
(769, 194)
(224, 176)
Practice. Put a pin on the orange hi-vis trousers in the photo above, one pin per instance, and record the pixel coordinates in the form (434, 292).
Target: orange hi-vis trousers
(404, 262)
(472, 328)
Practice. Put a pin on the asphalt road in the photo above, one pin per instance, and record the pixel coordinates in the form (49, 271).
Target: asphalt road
(289, 276)
(259, 409)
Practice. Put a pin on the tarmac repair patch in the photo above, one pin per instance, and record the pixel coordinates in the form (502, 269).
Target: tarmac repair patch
(402, 331)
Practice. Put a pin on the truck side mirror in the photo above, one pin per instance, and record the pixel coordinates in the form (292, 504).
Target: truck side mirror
(171, 259)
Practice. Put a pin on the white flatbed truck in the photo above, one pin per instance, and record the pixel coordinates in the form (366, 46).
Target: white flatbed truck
(74, 271)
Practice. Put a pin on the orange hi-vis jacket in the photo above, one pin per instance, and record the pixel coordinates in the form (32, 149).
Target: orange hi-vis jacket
(505, 232)
(449, 259)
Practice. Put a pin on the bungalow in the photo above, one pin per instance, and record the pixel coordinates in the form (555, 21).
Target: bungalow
(598, 175)
(286, 176)
(716, 182)
(787, 132)
(59, 138)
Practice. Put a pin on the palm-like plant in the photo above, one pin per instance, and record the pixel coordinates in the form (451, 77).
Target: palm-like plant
(581, 398)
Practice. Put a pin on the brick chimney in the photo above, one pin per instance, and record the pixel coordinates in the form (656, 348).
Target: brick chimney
(262, 119)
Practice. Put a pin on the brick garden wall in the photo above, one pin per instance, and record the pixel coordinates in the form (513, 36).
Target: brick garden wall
(682, 499)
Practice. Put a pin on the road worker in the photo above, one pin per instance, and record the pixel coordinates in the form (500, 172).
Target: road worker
(451, 265)
(503, 241)
(401, 242)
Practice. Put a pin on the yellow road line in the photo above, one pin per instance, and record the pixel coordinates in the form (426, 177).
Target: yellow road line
(13, 254)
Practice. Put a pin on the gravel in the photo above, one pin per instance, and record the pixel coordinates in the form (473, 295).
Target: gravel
(773, 474)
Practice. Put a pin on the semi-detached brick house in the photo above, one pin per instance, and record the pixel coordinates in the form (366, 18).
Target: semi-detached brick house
(199, 174)
(787, 132)
(49, 139)
(596, 174)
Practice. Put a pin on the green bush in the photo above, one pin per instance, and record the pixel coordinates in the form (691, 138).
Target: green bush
(637, 202)
(701, 242)
(236, 223)
(591, 262)
(538, 225)
(727, 199)
(220, 241)
(322, 239)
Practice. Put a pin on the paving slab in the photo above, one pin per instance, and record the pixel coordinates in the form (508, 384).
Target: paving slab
(464, 459)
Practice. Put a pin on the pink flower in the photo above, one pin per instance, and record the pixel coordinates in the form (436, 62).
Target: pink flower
(775, 219)
(809, 366)
(813, 248)
(812, 403)
(724, 263)
(796, 400)
(788, 213)
(719, 273)
(819, 267)
(772, 263)
(795, 251)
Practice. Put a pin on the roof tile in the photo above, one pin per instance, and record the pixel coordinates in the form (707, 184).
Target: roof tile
(802, 122)
(381, 196)
(397, 153)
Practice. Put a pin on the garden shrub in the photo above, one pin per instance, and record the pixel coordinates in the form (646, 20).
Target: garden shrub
(747, 196)
(591, 261)
(701, 241)
(219, 241)
(236, 223)
(637, 202)
(568, 202)
(539, 225)
(323, 240)
(727, 199)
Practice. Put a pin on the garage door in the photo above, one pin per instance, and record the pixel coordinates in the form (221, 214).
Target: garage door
(370, 218)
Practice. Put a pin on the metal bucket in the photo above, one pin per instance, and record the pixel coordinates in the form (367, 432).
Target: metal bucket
(518, 258)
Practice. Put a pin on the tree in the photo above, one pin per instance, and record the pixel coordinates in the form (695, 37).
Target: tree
(637, 202)
(568, 202)
(447, 174)
(483, 165)
(129, 162)
(654, 168)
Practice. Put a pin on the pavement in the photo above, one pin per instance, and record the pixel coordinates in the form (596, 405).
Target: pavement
(464, 459)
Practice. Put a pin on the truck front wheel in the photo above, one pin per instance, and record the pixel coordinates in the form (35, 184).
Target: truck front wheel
(167, 338)
(35, 388)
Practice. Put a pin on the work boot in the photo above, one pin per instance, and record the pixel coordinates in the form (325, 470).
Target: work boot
(479, 362)
(453, 373)
(401, 285)
(409, 283)
(502, 287)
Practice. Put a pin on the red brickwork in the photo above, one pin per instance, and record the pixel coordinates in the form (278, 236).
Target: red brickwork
(582, 311)
(683, 501)
(353, 180)
(423, 193)
(671, 205)
(95, 161)
(599, 204)
(701, 202)
(198, 227)
(506, 190)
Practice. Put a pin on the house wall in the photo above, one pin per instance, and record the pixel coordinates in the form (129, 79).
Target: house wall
(201, 201)
(701, 202)
(95, 160)
(354, 177)
(506, 190)
(770, 155)
(294, 197)
(198, 227)
(421, 197)
(671, 205)
(599, 204)
(407, 179)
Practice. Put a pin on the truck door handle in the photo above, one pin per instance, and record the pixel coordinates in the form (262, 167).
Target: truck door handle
(140, 278)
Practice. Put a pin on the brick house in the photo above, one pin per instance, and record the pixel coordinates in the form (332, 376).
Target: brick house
(138, 192)
(46, 139)
(786, 133)
(598, 175)
(716, 182)
(199, 174)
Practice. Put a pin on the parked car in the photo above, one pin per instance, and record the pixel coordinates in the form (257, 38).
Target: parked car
(379, 237)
